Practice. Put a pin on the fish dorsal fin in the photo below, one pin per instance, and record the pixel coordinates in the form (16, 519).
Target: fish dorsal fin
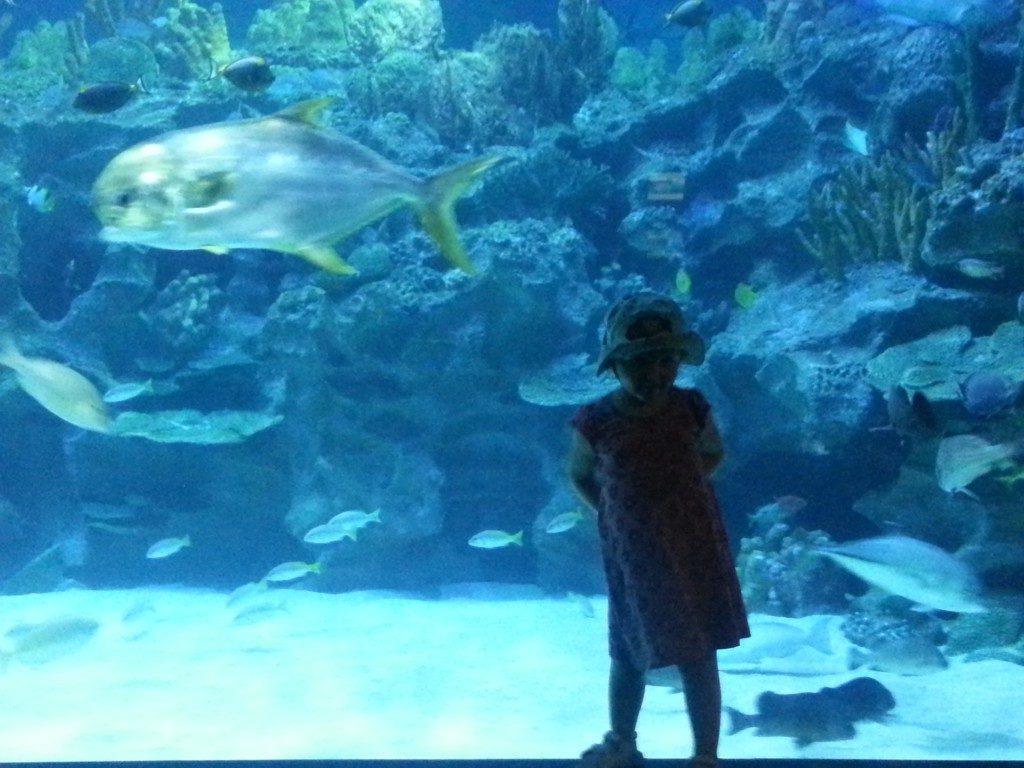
(309, 112)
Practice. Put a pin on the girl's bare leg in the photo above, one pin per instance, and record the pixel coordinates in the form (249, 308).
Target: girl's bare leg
(703, 691)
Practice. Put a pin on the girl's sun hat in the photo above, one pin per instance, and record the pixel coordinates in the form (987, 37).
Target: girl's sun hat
(647, 322)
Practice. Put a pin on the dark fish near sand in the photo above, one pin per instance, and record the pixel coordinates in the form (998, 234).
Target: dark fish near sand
(826, 715)
(279, 183)
(252, 74)
(107, 97)
(689, 14)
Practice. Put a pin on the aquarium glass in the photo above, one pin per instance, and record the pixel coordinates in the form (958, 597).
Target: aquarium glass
(317, 440)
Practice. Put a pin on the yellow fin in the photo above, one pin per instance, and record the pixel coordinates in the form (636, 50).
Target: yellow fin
(324, 257)
(309, 112)
(219, 250)
(436, 208)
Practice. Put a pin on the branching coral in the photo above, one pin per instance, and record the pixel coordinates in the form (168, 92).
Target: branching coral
(526, 71)
(307, 32)
(780, 573)
(870, 212)
(587, 41)
(110, 15)
(705, 52)
(1015, 104)
(943, 152)
(193, 40)
(783, 20)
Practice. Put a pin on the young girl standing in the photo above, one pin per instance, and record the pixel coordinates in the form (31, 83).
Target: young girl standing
(641, 458)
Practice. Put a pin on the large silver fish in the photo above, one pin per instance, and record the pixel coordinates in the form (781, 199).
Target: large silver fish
(913, 569)
(280, 183)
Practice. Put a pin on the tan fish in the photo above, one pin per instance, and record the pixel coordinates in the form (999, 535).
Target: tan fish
(280, 183)
(962, 459)
(911, 655)
(65, 393)
(45, 641)
(496, 539)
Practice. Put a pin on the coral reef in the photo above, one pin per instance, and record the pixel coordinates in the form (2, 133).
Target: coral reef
(380, 27)
(870, 212)
(193, 41)
(780, 573)
(311, 33)
(587, 39)
(706, 52)
(185, 311)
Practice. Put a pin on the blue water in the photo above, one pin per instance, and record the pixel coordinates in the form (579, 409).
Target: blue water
(221, 329)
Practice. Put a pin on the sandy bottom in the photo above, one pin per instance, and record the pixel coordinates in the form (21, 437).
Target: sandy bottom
(482, 672)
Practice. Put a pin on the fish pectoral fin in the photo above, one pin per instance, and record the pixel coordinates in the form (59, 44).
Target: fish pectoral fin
(324, 257)
(309, 112)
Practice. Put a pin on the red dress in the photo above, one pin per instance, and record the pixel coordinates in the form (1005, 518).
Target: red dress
(673, 593)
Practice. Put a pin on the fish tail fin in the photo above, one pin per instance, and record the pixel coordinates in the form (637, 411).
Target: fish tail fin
(315, 568)
(855, 657)
(187, 540)
(436, 208)
(9, 353)
(819, 637)
(140, 86)
(739, 721)
(374, 517)
(517, 539)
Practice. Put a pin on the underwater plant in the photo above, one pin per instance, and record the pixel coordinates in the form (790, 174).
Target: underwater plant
(870, 212)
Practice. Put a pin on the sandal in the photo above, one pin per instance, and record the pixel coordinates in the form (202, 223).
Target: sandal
(613, 752)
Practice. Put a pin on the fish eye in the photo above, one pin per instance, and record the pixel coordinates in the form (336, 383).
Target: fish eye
(124, 199)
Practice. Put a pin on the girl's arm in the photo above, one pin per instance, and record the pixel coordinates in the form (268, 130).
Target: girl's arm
(710, 447)
(582, 462)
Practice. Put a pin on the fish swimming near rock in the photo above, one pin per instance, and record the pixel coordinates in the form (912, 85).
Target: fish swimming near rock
(354, 519)
(980, 269)
(329, 533)
(689, 14)
(910, 655)
(985, 393)
(280, 183)
(774, 639)
(913, 569)
(107, 97)
(41, 642)
(252, 74)
(563, 522)
(64, 392)
(826, 715)
(909, 415)
(962, 459)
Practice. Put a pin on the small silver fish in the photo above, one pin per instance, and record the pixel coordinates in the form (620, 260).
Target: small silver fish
(122, 393)
(564, 522)
(328, 534)
(167, 547)
(495, 539)
(291, 571)
(246, 591)
(689, 14)
(980, 269)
